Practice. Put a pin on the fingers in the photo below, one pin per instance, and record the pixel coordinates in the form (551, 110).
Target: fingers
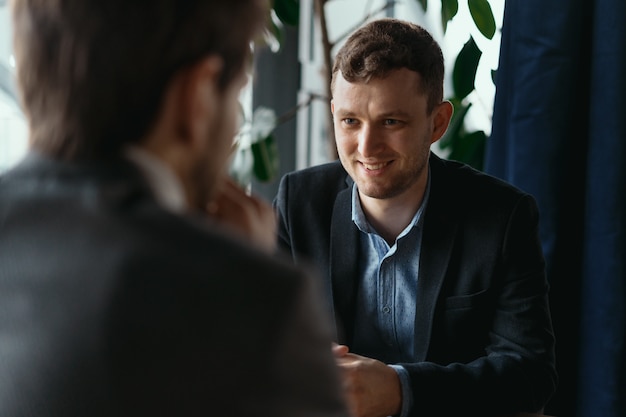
(247, 215)
(340, 350)
(370, 387)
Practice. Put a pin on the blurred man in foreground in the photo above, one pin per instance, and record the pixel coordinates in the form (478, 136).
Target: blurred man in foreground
(119, 296)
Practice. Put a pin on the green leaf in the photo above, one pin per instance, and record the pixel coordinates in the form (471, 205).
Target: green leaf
(449, 8)
(288, 11)
(494, 76)
(424, 4)
(455, 129)
(465, 66)
(470, 149)
(265, 154)
(483, 17)
(463, 146)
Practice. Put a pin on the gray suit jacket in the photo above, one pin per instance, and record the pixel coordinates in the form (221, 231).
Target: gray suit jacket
(112, 306)
(483, 332)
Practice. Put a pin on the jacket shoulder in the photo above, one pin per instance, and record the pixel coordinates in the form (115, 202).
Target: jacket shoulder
(329, 176)
(461, 182)
(316, 186)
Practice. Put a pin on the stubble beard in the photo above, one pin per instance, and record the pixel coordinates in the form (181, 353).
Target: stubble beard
(394, 186)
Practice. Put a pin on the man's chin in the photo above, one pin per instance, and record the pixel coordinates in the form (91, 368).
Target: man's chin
(374, 191)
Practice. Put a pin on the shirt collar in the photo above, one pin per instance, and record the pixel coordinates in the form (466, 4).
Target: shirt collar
(162, 181)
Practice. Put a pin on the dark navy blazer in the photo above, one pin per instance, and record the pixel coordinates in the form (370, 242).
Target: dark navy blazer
(483, 334)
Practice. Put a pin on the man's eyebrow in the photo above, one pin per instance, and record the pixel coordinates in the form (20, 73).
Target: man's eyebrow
(344, 113)
(394, 114)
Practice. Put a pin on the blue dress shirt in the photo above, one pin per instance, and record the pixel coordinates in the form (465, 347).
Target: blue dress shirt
(385, 317)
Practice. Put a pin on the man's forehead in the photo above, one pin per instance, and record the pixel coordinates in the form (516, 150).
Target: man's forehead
(409, 77)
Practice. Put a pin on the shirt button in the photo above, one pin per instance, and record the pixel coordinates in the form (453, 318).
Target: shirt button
(386, 309)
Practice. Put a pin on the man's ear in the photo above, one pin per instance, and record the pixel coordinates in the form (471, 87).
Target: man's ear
(332, 106)
(199, 99)
(442, 114)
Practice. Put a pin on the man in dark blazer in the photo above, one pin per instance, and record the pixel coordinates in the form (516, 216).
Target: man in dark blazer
(119, 296)
(434, 271)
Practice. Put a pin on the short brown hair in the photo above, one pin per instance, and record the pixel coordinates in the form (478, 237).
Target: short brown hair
(388, 44)
(92, 73)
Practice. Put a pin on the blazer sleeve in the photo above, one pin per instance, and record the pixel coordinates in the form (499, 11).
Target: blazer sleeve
(198, 332)
(516, 372)
(304, 371)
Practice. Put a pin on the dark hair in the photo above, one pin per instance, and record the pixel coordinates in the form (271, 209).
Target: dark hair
(92, 73)
(388, 44)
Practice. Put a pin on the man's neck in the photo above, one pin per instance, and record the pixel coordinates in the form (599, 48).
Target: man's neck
(391, 216)
(163, 182)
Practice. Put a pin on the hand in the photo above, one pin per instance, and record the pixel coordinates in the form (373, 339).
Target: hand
(247, 215)
(371, 388)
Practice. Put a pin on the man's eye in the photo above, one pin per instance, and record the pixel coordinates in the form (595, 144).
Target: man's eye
(349, 121)
(391, 122)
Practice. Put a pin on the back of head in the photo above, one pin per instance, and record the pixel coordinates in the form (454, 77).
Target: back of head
(387, 44)
(92, 73)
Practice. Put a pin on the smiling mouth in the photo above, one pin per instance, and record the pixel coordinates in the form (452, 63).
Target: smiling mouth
(374, 167)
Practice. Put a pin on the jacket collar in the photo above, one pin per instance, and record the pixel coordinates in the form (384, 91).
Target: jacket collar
(440, 226)
(114, 181)
(344, 244)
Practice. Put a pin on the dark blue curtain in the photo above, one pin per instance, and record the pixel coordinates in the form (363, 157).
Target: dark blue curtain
(559, 132)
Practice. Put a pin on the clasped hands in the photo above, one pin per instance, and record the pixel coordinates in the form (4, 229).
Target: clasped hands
(371, 388)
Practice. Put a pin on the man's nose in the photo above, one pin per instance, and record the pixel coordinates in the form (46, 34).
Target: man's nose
(370, 143)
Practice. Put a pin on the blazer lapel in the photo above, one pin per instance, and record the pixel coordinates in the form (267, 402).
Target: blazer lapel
(344, 241)
(439, 230)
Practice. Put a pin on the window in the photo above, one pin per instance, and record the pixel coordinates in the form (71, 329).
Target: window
(13, 130)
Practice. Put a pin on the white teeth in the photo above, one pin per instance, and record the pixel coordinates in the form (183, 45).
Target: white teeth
(374, 167)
